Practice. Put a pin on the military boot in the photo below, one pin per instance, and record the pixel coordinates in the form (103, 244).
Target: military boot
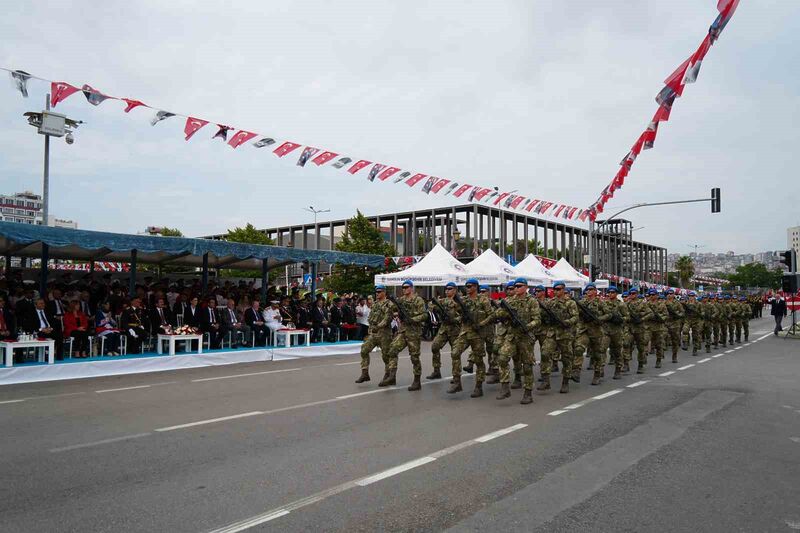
(675, 357)
(455, 387)
(492, 379)
(517, 381)
(596, 378)
(640, 369)
(389, 379)
(470, 368)
(527, 397)
(364, 376)
(708, 349)
(658, 362)
(545, 384)
(576, 376)
(436, 374)
(617, 373)
(694, 352)
(477, 392)
(505, 391)
(626, 368)
(564, 384)
(684, 347)
(415, 385)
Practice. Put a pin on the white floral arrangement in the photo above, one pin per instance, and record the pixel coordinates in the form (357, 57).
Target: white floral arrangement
(183, 330)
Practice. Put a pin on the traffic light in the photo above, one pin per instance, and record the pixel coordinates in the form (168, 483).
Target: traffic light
(787, 258)
(715, 200)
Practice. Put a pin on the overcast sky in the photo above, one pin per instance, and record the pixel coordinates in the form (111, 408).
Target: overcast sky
(541, 96)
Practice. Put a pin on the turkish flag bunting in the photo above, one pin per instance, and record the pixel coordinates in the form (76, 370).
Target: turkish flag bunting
(439, 185)
(192, 125)
(532, 205)
(696, 61)
(323, 158)
(662, 115)
(649, 135)
(500, 198)
(132, 103)
(599, 208)
(675, 80)
(59, 91)
(240, 138)
(388, 173)
(358, 166)
(481, 193)
(285, 148)
(517, 201)
(558, 210)
(637, 146)
(572, 211)
(461, 190)
(416, 178)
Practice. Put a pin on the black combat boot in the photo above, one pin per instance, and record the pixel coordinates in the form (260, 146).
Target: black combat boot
(456, 386)
(617, 373)
(564, 384)
(658, 362)
(545, 385)
(675, 357)
(505, 391)
(596, 378)
(517, 381)
(364, 376)
(390, 378)
(436, 374)
(576, 376)
(470, 368)
(415, 385)
(478, 391)
(527, 397)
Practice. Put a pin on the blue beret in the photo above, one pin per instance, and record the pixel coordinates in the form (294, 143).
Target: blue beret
(559, 283)
(652, 292)
(472, 281)
(521, 281)
(612, 288)
(634, 289)
(408, 282)
(589, 286)
(380, 287)
(540, 288)
(692, 293)
(727, 297)
(509, 284)
(450, 284)
(484, 287)
(670, 291)
(626, 293)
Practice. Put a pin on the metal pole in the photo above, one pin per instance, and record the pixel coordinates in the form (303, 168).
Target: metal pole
(313, 281)
(205, 274)
(43, 271)
(264, 278)
(46, 177)
(132, 282)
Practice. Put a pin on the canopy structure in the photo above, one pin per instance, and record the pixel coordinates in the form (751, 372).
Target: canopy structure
(488, 268)
(437, 268)
(534, 271)
(563, 271)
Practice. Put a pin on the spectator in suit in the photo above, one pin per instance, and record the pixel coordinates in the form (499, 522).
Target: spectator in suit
(161, 318)
(133, 323)
(337, 319)
(255, 320)
(44, 324)
(304, 315)
(233, 323)
(106, 326)
(24, 306)
(321, 321)
(778, 311)
(56, 304)
(87, 308)
(209, 323)
(191, 314)
(76, 325)
(8, 322)
(179, 307)
(349, 328)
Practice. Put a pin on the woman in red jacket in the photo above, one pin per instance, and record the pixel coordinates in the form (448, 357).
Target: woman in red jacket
(76, 325)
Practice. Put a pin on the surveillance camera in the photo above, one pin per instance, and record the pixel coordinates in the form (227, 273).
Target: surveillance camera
(69, 138)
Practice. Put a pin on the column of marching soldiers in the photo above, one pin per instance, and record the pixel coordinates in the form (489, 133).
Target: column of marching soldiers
(501, 334)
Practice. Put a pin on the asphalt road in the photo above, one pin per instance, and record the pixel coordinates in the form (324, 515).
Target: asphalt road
(297, 446)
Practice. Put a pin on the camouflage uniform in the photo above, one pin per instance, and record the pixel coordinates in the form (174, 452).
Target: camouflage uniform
(720, 316)
(479, 311)
(709, 320)
(410, 333)
(561, 336)
(589, 337)
(693, 324)
(745, 320)
(448, 332)
(641, 314)
(380, 332)
(676, 316)
(488, 334)
(542, 333)
(618, 316)
(516, 341)
(658, 328)
(732, 312)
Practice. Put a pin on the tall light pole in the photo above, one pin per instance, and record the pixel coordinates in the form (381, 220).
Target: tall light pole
(311, 209)
(314, 266)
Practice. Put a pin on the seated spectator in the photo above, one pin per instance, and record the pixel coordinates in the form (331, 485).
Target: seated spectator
(321, 321)
(210, 323)
(233, 324)
(133, 323)
(272, 316)
(304, 315)
(76, 325)
(46, 325)
(192, 312)
(161, 318)
(8, 326)
(106, 327)
(254, 319)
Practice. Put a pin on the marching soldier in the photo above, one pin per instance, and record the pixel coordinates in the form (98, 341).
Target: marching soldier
(617, 312)
(746, 315)
(627, 337)
(730, 323)
(708, 316)
(487, 333)
(676, 316)
(641, 315)
(561, 337)
(476, 313)
(658, 324)
(693, 323)
(410, 311)
(719, 318)
(496, 332)
(449, 329)
(545, 330)
(591, 316)
(380, 335)
(520, 313)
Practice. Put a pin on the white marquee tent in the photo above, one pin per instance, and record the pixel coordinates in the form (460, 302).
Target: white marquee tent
(489, 269)
(534, 271)
(437, 268)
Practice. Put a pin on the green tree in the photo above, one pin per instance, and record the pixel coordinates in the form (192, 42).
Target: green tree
(171, 232)
(673, 280)
(756, 275)
(247, 235)
(685, 267)
(166, 269)
(364, 238)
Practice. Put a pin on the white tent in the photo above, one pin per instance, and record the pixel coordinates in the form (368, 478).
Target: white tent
(563, 271)
(488, 268)
(534, 271)
(437, 268)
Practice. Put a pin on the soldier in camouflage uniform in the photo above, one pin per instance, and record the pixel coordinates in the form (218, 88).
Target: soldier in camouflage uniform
(627, 337)
(731, 314)
(708, 314)
(746, 314)
(547, 325)
(497, 332)
(719, 317)
(676, 316)
(380, 334)
(658, 324)
(475, 314)
(517, 339)
(561, 337)
(450, 318)
(409, 333)
(592, 314)
(617, 313)
(694, 322)
(641, 314)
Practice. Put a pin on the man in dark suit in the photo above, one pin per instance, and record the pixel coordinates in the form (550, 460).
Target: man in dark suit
(56, 306)
(132, 322)
(191, 314)
(8, 322)
(46, 325)
(232, 323)
(161, 318)
(179, 309)
(210, 323)
(254, 319)
(25, 306)
(778, 311)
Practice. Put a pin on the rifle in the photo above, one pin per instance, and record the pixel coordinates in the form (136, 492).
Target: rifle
(635, 317)
(516, 320)
(445, 315)
(585, 310)
(465, 314)
(553, 316)
(400, 309)
(616, 316)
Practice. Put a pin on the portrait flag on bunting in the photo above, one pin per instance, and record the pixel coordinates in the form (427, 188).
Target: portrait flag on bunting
(323, 158)
(451, 188)
(160, 115)
(358, 166)
(308, 153)
(20, 80)
(240, 138)
(342, 162)
(93, 96)
(192, 126)
(401, 177)
(222, 132)
(59, 91)
(285, 148)
(264, 141)
(373, 172)
(429, 184)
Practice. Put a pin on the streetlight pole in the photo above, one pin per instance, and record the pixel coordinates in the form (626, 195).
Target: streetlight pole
(46, 177)
(311, 209)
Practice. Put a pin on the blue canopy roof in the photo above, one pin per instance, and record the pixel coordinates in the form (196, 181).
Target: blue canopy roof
(25, 240)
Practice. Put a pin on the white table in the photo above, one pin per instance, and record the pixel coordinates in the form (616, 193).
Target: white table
(288, 334)
(9, 347)
(172, 338)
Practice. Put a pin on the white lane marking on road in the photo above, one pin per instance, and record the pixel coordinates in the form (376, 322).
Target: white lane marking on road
(638, 383)
(98, 442)
(557, 412)
(608, 394)
(577, 405)
(44, 397)
(123, 388)
(345, 364)
(13, 401)
(738, 348)
(247, 524)
(718, 355)
(684, 367)
(248, 374)
(500, 432)
(787, 406)
(764, 337)
(729, 351)
(748, 344)
(665, 374)
(210, 421)
(394, 471)
(357, 394)
(792, 524)
(707, 359)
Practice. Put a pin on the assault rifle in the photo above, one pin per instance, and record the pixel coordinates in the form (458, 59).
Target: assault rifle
(555, 319)
(466, 316)
(616, 316)
(445, 315)
(585, 310)
(400, 309)
(516, 320)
